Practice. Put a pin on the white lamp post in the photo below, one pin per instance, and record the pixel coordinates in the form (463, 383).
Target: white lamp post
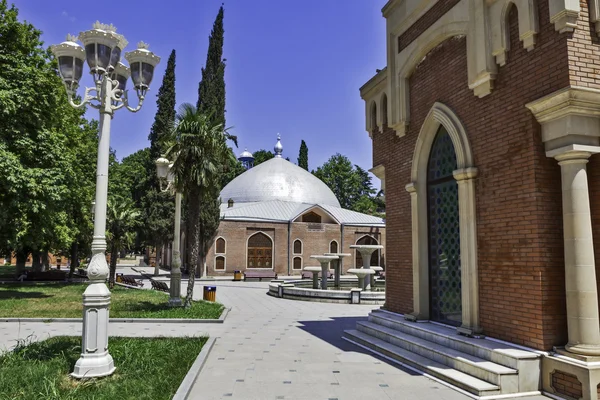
(163, 171)
(102, 51)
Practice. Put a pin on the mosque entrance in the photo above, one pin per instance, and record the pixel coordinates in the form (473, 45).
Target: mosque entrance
(260, 251)
(444, 232)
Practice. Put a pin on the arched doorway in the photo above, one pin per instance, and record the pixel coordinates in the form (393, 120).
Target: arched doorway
(443, 232)
(366, 240)
(260, 251)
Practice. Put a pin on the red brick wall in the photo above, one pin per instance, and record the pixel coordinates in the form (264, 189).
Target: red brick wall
(432, 15)
(519, 217)
(567, 384)
(314, 242)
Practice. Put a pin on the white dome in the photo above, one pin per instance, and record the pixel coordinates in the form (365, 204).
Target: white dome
(246, 154)
(278, 179)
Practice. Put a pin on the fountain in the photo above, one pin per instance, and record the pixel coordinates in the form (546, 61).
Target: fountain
(315, 275)
(337, 266)
(369, 291)
(365, 251)
(324, 260)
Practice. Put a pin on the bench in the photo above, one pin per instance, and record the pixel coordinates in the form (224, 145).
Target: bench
(260, 275)
(308, 275)
(131, 282)
(82, 271)
(158, 285)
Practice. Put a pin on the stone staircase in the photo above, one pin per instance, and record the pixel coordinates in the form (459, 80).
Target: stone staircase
(482, 367)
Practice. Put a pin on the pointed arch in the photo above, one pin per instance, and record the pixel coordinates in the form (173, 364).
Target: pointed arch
(375, 256)
(298, 247)
(259, 251)
(383, 105)
(442, 115)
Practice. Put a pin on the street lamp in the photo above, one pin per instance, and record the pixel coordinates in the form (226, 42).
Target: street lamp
(163, 171)
(102, 47)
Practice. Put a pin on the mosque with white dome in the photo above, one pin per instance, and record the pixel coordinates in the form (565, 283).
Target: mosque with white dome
(276, 215)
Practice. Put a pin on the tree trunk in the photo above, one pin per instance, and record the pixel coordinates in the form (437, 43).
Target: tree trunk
(194, 250)
(74, 258)
(21, 259)
(158, 259)
(45, 261)
(113, 265)
(36, 263)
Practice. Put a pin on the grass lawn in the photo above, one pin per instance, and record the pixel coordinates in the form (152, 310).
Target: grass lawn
(150, 368)
(63, 300)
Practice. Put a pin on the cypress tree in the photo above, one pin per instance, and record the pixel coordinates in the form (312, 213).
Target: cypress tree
(157, 206)
(303, 156)
(165, 113)
(211, 90)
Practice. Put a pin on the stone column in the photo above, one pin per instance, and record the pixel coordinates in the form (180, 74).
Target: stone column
(469, 272)
(580, 270)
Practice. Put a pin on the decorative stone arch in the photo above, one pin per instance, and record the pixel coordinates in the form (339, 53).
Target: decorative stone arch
(528, 26)
(441, 115)
(383, 110)
(337, 246)
(297, 263)
(220, 262)
(248, 249)
(373, 117)
(294, 252)
(417, 52)
(224, 245)
(376, 254)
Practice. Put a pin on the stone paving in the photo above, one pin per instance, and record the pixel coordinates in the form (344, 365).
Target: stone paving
(271, 348)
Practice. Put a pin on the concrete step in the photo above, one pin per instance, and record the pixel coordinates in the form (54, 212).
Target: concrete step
(443, 372)
(506, 378)
(496, 352)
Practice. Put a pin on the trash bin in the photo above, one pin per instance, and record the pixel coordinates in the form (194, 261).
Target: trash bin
(119, 277)
(237, 275)
(210, 293)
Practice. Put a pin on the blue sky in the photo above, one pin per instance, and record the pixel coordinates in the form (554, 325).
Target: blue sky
(293, 67)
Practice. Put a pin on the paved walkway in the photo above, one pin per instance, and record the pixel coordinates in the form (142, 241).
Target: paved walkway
(270, 348)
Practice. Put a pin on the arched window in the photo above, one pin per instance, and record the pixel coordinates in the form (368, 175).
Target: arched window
(373, 116)
(367, 240)
(260, 251)
(297, 264)
(333, 247)
(311, 217)
(220, 263)
(220, 246)
(297, 246)
(384, 116)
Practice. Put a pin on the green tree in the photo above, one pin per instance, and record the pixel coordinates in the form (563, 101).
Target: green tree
(210, 105)
(198, 149)
(350, 183)
(211, 90)
(165, 111)
(121, 219)
(158, 208)
(36, 183)
(260, 156)
(303, 156)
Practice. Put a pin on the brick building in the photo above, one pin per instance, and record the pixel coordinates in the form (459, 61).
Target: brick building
(484, 124)
(276, 215)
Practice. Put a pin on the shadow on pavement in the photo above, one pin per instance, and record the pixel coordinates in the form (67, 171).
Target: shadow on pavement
(331, 331)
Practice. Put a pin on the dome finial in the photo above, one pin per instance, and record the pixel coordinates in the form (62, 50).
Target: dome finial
(278, 147)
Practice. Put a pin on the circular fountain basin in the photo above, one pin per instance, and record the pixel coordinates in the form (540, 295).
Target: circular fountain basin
(301, 289)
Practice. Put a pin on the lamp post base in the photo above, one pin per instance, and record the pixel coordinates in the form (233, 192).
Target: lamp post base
(95, 361)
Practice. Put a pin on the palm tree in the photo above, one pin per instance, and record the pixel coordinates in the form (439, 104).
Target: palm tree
(122, 218)
(198, 148)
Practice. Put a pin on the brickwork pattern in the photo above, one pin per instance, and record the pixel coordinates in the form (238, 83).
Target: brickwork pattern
(567, 385)
(518, 192)
(313, 242)
(426, 20)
